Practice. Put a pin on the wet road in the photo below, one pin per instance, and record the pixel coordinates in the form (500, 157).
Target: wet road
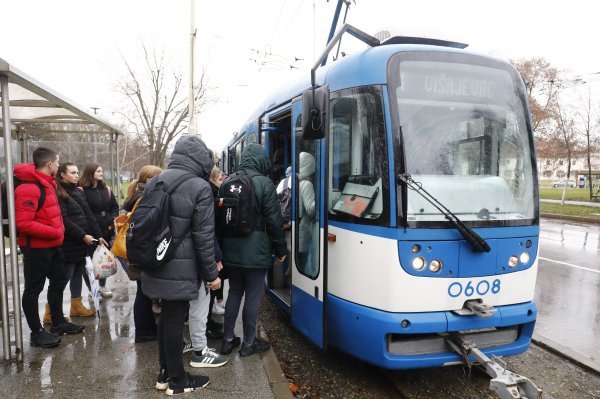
(568, 287)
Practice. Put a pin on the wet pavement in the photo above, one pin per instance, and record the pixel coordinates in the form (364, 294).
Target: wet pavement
(568, 289)
(105, 362)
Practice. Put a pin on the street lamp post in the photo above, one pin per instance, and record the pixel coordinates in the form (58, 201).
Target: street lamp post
(192, 110)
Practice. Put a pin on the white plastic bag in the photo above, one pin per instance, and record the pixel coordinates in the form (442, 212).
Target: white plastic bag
(105, 263)
(94, 285)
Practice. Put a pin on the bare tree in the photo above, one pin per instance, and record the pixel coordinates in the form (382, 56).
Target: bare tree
(587, 118)
(158, 102)
(567, 137)
(543, 83)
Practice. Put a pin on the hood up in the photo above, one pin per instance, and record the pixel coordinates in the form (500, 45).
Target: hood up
(192, 154)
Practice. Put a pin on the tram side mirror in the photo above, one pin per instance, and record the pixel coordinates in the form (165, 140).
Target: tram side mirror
(315, 112)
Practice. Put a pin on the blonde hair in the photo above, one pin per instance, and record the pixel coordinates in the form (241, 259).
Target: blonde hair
(146, 173)
(215, 174)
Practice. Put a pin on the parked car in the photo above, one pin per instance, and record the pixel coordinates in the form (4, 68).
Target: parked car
(561, 183)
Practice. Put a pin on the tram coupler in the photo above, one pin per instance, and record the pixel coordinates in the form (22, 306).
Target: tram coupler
(476, 307)
(505, 383)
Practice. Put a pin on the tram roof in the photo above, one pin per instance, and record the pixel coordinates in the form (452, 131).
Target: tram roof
(32, 102)
(349, 72)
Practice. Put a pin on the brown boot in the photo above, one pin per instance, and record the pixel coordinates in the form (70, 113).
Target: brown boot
(78, 309)
(48, 317)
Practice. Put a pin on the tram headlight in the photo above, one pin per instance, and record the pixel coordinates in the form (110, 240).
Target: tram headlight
(524, 258)
(513, 261)
(435, 265)
(418, 263)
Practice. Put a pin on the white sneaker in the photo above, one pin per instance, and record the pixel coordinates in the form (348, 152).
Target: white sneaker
(105, 292)
(91, 298)
(207, 358)
(187, 346)
(218, 308)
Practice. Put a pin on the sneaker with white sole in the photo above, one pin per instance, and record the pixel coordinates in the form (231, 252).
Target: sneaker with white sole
(187, 346)
(218, 308)
(162, 381)
(207, 358)
(105, 292)
(189, 384)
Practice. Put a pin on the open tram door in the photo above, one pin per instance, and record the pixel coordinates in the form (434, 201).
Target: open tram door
(309, 271)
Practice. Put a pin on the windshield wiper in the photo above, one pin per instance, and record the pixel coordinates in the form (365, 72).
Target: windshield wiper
(476, 241)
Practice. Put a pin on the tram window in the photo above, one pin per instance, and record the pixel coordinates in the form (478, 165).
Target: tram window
(252, 138)
(469, 148)
(307, 199)
(238, 155)
(358, 182)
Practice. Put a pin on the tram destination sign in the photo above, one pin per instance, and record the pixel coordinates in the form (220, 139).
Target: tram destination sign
(443, 81)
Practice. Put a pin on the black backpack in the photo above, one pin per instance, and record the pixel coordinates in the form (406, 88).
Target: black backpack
(285, 202)
(237, 213)
(17, 183)
(149, 241)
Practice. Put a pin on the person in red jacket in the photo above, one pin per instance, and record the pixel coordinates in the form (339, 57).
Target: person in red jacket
(40, 235)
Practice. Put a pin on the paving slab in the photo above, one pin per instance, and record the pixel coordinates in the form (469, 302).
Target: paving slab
(105, 362)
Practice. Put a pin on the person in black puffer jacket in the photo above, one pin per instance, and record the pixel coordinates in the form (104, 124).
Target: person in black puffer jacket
(81, 230)
(103, 204)
(143, 317)
(193, 264)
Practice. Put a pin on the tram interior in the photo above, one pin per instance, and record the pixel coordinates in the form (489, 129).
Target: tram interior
(280, 155)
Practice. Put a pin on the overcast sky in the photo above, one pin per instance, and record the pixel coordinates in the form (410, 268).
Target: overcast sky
(247, 47)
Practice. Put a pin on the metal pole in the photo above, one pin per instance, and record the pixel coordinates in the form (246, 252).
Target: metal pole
(334, 22)
(111, 163)
(10, 187)
(118, 169)
(3, 286)
(191, 110)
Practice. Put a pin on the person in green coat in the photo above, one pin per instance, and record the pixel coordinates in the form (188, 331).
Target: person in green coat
(248, 258)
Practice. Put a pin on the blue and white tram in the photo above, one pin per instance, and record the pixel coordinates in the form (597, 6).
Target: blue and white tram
(376, 269)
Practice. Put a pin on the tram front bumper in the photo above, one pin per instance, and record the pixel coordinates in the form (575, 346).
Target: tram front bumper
(416, 340)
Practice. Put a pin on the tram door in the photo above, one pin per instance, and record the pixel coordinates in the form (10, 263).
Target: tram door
(308, 274)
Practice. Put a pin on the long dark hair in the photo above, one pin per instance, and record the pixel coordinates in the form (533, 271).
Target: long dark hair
(60, 190)
(87, 176)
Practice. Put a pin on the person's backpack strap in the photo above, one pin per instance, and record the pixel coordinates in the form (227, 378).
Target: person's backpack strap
(42, 195)
(173, 186)
(41, 201)
(259, 220)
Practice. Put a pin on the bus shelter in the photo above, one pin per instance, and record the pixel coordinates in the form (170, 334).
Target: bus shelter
(29, 110)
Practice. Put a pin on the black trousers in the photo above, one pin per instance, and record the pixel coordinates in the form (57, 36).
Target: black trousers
(40, 264)
(170, 338)
(143, 317)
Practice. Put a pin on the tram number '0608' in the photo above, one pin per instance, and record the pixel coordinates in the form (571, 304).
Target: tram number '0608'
(456, 289)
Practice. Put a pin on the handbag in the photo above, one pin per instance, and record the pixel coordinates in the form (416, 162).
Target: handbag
(121, 226)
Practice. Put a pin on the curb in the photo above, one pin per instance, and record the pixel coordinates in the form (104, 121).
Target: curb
(571, 218)
(567, 353)
(279, 384)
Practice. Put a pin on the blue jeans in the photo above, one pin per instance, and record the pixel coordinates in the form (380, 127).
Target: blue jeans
(75, 273)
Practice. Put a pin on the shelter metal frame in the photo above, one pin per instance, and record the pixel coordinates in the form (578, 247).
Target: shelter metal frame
(33, 103)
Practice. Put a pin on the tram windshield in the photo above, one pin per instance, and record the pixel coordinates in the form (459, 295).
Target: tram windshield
(465, 139)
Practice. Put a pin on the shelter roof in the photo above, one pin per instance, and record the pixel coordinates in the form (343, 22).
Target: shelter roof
(32, 103)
